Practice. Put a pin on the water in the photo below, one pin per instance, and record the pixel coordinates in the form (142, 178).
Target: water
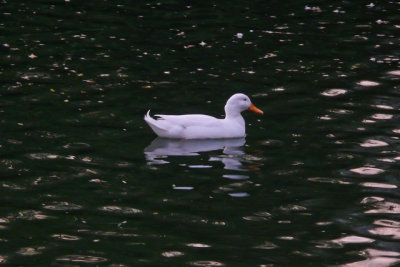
(84, 181)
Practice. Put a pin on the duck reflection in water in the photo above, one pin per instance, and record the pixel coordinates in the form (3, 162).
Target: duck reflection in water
(232, 150)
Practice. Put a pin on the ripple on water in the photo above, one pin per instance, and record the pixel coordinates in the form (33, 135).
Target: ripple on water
(393, 233)
(120, 210)
(28, 251)
(255, 218)
(182, 187)
(65, 237)
(42, 156)
(198, 245)
(367, 170)
(327, 244)
(371, 200)
(334, 92)
(394, 72)
(327, 180)
(292, 207)
(373, 143)
(12, 186)
(383, 107)
(387, 223)
(386, 160)
(82, 259)
(170, 254)
(287, 237)
(367, 83)
(76, 145)
(115, 234)
(206, 263)
(200, 166)
(239, 194)
(353, 239)
(386, 228)
(325, 118)
(340, 111)
(235, 176)
(271, 143)
(375, 253)
(385, 207)
(31, 215)
(63, 206)
(233, 186)
(379, 185)
(258, 216)
(266, 245)
(374, 261)
(380, 116)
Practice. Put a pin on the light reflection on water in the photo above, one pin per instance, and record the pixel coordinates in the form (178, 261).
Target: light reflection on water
(232, 154)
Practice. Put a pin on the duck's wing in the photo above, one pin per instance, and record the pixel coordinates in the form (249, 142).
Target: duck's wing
(189, 120)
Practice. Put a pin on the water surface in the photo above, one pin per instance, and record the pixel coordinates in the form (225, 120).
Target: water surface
(85, 181)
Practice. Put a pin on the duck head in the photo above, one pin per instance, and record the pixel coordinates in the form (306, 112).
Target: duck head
(238, 103)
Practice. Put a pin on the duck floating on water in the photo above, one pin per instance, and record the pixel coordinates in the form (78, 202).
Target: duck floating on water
(199, 126)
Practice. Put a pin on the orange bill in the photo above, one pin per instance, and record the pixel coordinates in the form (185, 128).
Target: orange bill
(256, 110)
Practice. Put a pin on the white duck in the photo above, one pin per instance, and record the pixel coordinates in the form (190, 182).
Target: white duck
(198, 126)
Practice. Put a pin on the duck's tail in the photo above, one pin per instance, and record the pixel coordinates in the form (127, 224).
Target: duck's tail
(154, 125)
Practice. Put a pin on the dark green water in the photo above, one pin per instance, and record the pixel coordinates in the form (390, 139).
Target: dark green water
(315, 182)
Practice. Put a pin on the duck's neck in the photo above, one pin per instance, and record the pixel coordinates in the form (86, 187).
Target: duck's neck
(232, 113)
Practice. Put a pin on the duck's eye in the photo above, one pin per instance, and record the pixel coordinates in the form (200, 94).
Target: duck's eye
(244, 99)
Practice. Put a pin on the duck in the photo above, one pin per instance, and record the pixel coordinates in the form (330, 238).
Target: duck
(199, 126)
